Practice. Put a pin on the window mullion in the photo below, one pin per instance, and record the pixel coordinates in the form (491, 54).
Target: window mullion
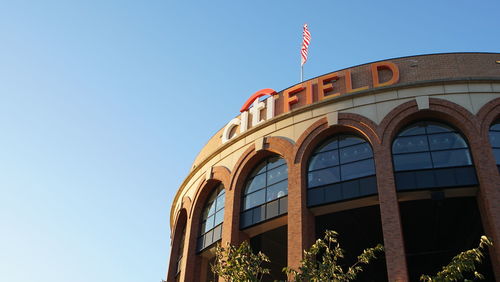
(429, 146)
(340, 166)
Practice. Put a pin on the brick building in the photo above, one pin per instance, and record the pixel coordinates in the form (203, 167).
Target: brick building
(403, 152)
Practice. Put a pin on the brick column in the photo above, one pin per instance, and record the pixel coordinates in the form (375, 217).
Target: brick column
(301, 229)
(203, 265)
(389, 212)
(488, 196)
(231, 227)
(189, 271)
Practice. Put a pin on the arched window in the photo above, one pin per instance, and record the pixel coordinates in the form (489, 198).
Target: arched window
(265, 194)
(429, 154)
(340, 168)
(495, 141)
(211, 219)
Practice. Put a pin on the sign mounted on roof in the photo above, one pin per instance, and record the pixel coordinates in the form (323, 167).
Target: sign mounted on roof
(254, 111)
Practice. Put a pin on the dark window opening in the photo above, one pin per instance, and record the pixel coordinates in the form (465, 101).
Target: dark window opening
(437, 230)
(358, 229)
(210, 275)
(273, 244)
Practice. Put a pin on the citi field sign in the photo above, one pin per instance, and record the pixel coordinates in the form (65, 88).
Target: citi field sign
(255, 111)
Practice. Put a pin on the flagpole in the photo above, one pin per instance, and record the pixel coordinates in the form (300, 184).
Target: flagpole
(301, 73)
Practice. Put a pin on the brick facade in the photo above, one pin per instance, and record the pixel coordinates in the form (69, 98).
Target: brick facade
(300, 219)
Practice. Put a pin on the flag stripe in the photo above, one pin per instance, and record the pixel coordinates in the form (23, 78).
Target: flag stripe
(306, 40)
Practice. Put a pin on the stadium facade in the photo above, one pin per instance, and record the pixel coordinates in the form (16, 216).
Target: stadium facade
(403, 152)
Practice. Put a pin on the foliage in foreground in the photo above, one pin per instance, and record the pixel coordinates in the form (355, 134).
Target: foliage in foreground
(328, 268)
(239, 263)
(461, 265)
(322, 263)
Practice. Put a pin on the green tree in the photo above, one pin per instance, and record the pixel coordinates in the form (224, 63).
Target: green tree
(239, 263)
(462, 265)
(328, 268)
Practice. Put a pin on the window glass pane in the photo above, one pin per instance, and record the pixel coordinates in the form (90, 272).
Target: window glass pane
(323, 160)
(272, 209)
(357, 169)
(323, 177)
(410, 144)
(217, 233)
(254, 199)
(209, 238)
(220, 201)
(283, 205)
(347, 140)
(495, 126)
(259, 214)
(417, 129)
(353, 159)
(465, 175)
(203, 227)
(329, 145)
(209, 224)
(275, 162)
(277, 174)
(316, 196)
(204, 215)
(214, 203)
(354, 153)
(495, 139)
(199, 244)
(219, 217)
(434, 127)
(212, 197)
(211, 208)
(350, 189)
(368, 186)
(451, 158)
(425, 178)
(246, 218)
(220, 190)
(496, 152)
(259, 169)
(256, 183)
(277, 190)
(444, 141)
(267, 185)
(412, 161)
(433, 164)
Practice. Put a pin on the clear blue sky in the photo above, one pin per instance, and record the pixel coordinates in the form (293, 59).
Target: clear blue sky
(105, 104)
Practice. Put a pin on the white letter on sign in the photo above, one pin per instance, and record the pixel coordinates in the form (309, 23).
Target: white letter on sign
(255, 111)
(225, 135)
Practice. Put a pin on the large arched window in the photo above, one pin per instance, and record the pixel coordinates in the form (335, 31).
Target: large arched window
(339, 169)
(429, 154)
(265, 193)
(211, 219)
(495, 141)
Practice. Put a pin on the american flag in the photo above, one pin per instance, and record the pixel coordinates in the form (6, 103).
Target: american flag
(305, 45)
